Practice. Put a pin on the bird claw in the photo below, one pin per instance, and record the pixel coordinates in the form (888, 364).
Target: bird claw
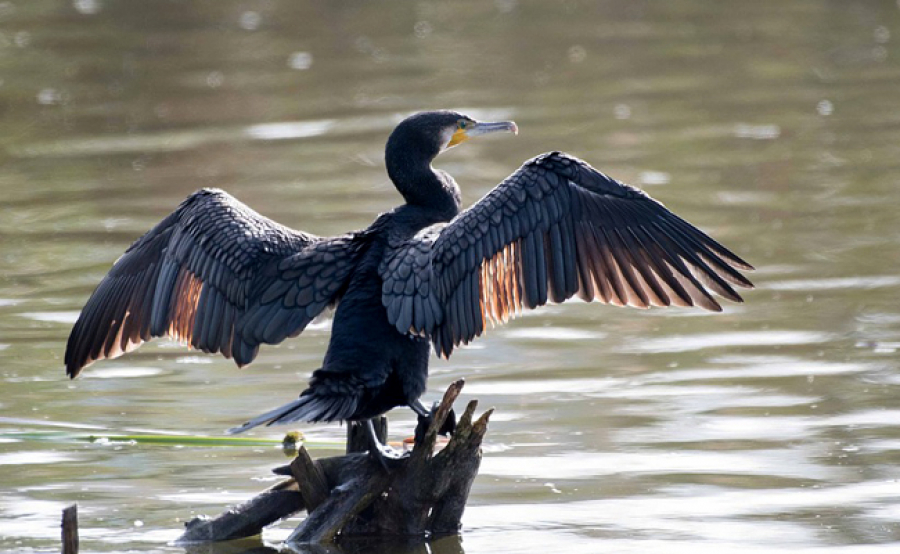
(447, 429)
(387, 457)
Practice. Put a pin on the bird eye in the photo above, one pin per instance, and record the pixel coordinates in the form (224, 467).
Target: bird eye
(462, 123)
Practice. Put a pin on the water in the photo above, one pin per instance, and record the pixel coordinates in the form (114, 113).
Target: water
(772, 427)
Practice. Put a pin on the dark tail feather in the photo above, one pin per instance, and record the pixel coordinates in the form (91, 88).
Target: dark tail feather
(271, 416)
(309, 407)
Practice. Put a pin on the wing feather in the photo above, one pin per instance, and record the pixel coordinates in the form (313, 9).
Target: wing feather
(555, 228)
(216, 275)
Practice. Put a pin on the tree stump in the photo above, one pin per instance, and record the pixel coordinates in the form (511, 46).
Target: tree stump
(353, 496)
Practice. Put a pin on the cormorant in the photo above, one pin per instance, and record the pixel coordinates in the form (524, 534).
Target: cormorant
(221, 277)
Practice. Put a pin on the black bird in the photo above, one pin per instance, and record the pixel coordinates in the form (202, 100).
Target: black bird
(222, 278)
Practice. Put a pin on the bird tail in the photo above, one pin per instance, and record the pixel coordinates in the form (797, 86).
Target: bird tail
(308, 408)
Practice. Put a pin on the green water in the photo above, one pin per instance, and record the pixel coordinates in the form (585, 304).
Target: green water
(773, 125)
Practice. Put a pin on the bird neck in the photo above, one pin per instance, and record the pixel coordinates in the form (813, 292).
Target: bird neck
(423, 187)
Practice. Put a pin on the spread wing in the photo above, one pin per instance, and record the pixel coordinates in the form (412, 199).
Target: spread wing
(555, 228)
(216, 275)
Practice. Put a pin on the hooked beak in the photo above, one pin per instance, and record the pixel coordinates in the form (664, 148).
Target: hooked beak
(479, 128)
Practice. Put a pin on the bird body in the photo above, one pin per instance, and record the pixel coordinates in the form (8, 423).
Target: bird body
(221, 277)
(368, 364)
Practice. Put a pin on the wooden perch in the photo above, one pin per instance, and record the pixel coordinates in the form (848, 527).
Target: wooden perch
(247, 519)
(70, 530)
(354, 496)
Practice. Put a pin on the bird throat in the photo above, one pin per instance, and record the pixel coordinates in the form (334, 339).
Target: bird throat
(423, 186)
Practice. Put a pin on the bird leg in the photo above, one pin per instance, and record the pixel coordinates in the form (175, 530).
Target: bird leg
(388, 457)
(426, 416)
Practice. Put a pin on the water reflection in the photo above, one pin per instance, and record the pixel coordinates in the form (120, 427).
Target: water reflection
(247, 546)
(443, 545)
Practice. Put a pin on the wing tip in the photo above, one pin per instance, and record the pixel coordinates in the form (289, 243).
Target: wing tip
(74, 366)
(739, 263)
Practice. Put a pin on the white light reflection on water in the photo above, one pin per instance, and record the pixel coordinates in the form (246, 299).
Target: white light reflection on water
(121, 372)
(173, 141)
(53, 317)
(870, 282)
(551, 333)
(35, 457)
(213, 498)
(289, 129)
(788, 462)
(766, 368)
(728, 339)
(519, 387)
(24, 517)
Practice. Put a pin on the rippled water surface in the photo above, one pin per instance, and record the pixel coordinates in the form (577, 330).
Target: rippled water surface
(775, 126)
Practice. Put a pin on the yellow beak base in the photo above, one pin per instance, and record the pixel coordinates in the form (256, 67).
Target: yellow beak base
(458, 137)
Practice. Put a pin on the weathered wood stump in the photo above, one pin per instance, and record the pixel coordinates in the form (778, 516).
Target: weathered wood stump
(70, 530)
(354, 496)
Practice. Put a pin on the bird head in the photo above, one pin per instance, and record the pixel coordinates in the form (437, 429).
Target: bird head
(415, 143)
(427, 134)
